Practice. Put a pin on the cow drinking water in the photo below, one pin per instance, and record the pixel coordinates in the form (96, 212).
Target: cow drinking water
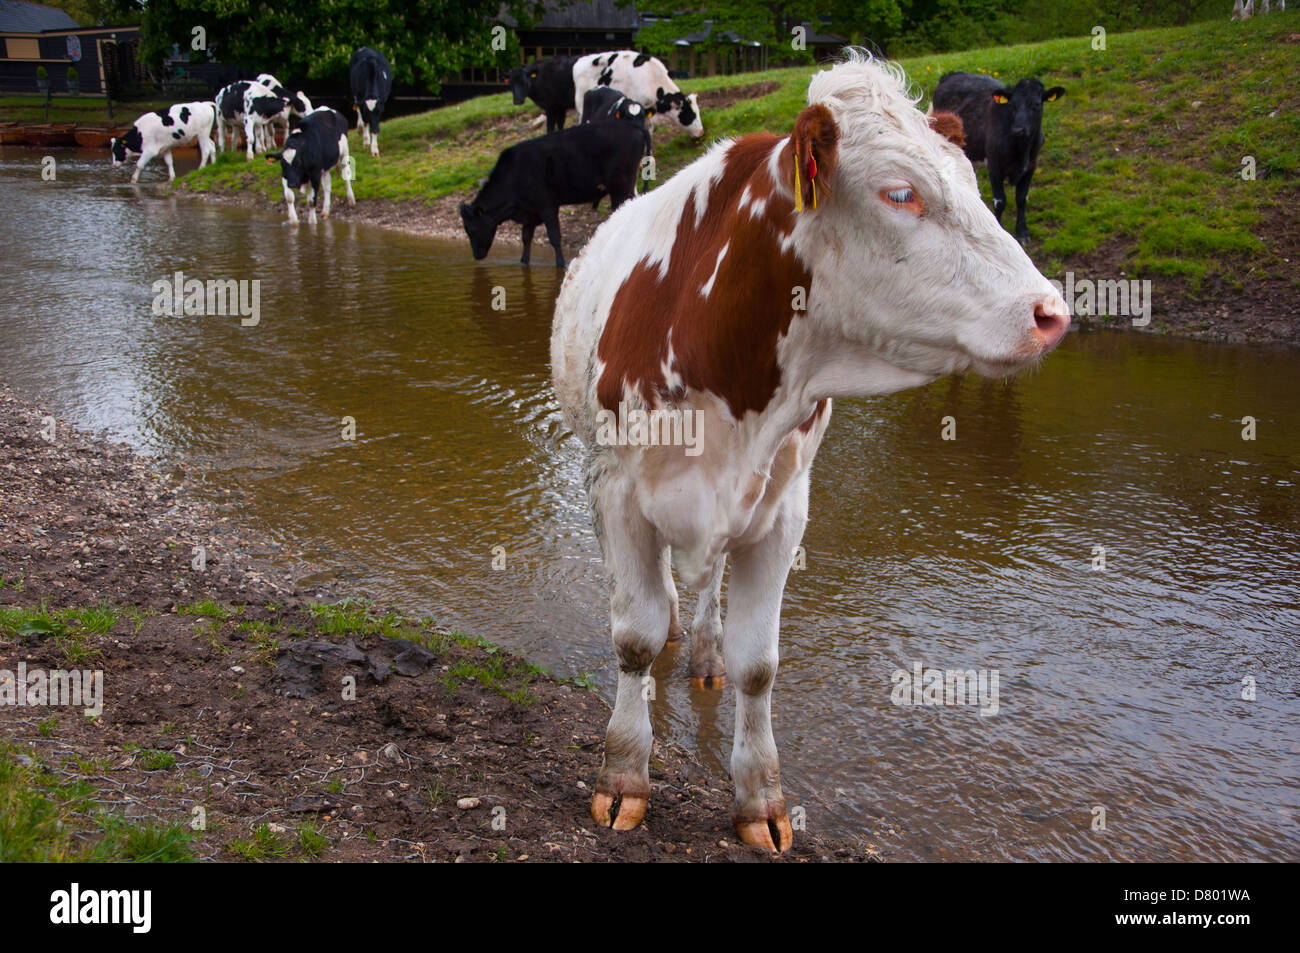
(532, 179)
(157, 133)
(851, 256)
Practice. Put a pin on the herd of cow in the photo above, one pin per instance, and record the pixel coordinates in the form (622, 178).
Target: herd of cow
(259, 108)
(850, 255)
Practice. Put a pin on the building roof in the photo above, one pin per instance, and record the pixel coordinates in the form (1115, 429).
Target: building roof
(578, 15)
(19, 17)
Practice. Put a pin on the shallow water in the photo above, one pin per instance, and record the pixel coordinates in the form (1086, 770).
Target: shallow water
(1118, 688)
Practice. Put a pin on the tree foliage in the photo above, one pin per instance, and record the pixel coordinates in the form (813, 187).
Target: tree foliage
(424, 40)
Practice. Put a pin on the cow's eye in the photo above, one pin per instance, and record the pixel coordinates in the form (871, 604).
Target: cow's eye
(903, 197)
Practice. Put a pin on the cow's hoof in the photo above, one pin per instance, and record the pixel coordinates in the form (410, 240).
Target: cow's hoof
(708, 682)
(619, 811)
(772, 833)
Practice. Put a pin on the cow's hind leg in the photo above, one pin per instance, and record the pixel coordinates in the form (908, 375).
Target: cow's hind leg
(758, 576)
(639, 614)
(707, 667)
(552, 223)
(670, 587)
(526, 233)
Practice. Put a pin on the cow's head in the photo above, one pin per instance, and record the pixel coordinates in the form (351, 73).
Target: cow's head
(131, 142)
(681, 107)
(910, 268)
(299, 104)
(480, 229)
(521, 82)
(291, 167)
(1020, 108)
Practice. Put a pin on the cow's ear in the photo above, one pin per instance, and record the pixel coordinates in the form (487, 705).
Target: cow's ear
(814, 149)
(1053, 94)
(949, 126)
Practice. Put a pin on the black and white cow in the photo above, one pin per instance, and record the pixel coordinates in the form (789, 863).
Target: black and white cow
(230, 112)
(318, 145)
(157, 133)
(1003, 125)
(548, 83)
(641, 77)
(372, 82)
(299, 104)
(532, 179)
(263, 111)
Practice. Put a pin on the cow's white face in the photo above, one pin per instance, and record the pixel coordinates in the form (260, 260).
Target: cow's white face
(916, 266)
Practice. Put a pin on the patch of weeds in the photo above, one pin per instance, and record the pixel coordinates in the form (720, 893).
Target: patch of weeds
(46, 727)
(207, 608)
(46, 817)
(263, 844)
(312, 842)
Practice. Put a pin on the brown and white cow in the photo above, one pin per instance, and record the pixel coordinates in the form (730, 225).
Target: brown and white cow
(713, 295)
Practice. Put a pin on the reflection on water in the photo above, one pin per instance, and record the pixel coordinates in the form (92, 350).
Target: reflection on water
(1118, 688)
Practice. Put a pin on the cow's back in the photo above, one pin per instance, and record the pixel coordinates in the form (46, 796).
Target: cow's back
(970, 96)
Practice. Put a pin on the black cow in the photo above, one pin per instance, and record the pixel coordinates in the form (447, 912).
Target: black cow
(604, 102)
(319, 144)
(1004, 126)
(548, 83)
(372, 83)
(533, 179)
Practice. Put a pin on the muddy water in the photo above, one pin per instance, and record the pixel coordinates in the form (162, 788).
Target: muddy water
(1118, 689)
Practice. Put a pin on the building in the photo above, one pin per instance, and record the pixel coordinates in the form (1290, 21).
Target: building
(34, 35)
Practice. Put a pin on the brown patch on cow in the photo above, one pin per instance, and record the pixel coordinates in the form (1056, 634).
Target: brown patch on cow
(724, 344)
(949, 126)
(808, 424)
(817, 139)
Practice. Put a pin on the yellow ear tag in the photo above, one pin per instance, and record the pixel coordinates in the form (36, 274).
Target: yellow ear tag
(798, 189)
(1001, 100)
(814, 188)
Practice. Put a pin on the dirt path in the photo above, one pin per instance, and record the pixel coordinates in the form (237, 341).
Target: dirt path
(225, 691)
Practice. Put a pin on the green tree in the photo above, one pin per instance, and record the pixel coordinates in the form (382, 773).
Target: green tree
(424, 41)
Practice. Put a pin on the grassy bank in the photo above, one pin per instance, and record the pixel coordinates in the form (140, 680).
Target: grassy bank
(1141, 171)
(89, 110)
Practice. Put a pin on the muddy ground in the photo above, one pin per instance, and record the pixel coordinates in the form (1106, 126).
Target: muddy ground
(224, 691)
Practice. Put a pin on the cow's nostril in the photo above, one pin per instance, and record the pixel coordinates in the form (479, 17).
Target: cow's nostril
(1051, 322)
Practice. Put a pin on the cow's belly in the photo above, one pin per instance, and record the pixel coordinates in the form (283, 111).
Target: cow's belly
(713, 504)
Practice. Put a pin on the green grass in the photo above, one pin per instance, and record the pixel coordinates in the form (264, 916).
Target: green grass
(72, 630)
(64, 108)
(1131, 169)
(47, 818)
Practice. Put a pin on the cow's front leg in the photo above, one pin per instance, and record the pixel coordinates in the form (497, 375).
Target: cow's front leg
(250, 138)
(1022, 203)
(639, 617)
(145, 158)
(707, 667)
(288, 198)
(999, 188)
(325, 195)
(374, 143)
(750, 639)
(310, 191)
